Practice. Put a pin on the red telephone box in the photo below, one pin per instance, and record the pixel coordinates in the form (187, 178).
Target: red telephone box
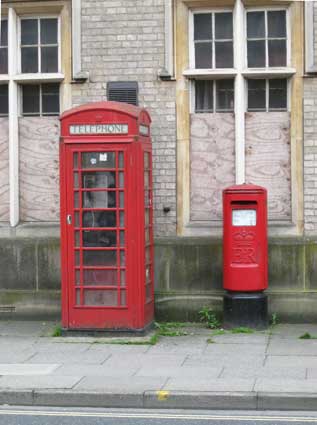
(106, 218)
(245, 238)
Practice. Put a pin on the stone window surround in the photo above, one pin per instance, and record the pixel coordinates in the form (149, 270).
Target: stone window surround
(183, 73)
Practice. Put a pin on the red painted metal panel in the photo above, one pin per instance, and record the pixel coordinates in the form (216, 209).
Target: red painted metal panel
(245, 252)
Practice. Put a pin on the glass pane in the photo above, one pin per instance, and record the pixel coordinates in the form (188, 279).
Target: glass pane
(224, 54)
(203, 55)
(277, 52)
(276, 21)
(30, 99)
(203, 96)
(148, 292)
(49, 59)
(278, 94)
(148, 273)
(224, 95)
(100, 258)
(99, 238)
(76, 200)
(256, 54)
(99, 199)
(256, 95)
(121, 218)
(121, 179)
(77, 258)
(78, 297)
(223, 26)
(147, 236)
(256, 25)
(148, 255)
(202, 26)
(50, 99)
(29, 59)
(146, 179)
(77, 223)
(101, 297)
(77, 277)
(123, 297)
(48, 31)
(76, 181)
(122, 258)
(96, 179)
(4, 102)
(77, 239)
(98, 160)
(99, 219)
(75, 157)
(29, 32)
(121, 160)
(122, 278)
(147, 217)
(121, 199)
(146, 160)
(100, 277)
(122, 242)
(4, 33)
(3, 60)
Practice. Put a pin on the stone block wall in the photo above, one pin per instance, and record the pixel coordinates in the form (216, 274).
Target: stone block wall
(123, 40)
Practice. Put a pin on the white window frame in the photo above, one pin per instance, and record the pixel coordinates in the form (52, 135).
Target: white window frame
(38, 18)
(200, 72)
(288, 40)
(40, 114)
(13, 79)
(288, 95)
(192, 89)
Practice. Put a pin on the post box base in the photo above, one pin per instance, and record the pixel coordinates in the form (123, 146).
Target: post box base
(245, 309)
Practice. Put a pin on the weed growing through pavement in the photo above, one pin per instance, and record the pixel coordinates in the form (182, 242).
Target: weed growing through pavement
(307, 335)
(170, 329)
(274, 319)
(209, 317)
(57, 331)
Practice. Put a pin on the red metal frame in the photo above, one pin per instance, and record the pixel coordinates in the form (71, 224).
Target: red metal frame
(93, 295)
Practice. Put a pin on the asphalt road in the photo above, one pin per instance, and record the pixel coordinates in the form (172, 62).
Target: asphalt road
(61, 416)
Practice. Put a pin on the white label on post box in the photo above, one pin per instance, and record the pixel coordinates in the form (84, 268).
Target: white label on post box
(243, 217)
(103, 157)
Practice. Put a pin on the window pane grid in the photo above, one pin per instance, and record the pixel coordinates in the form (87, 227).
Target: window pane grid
(267, 95)
(213, 47)
(214, 96)
(274, 41)
(45, 54)
(40, 99)
(4, 47)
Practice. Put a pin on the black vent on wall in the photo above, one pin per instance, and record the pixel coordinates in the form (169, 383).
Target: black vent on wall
(123, 92)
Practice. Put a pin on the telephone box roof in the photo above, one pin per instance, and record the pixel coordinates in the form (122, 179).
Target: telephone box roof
(246, 187)
(125, 108)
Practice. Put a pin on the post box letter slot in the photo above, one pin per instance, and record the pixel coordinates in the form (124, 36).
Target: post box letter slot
(243, 217)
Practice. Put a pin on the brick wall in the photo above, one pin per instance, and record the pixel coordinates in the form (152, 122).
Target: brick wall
(123, 40)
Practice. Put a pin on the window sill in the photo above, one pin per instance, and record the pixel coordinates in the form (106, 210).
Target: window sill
(53, 77)
(4, 78)
(268, 72)
(210, 73)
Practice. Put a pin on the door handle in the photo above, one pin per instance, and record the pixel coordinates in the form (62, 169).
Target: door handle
(69, 219)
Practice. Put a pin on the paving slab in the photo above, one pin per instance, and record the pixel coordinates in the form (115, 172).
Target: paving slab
(35, 382)
(286, 385)
(204, 384)
(95, 370)
(122, 385)
(229, 359)
(291, 361)
(254, 339)
(148, 359)
(69, 357)
(27, 369)
(183, 371)
(264, 372)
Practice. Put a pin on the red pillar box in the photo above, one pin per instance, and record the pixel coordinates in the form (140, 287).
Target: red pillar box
(106, 218)
(245, 256)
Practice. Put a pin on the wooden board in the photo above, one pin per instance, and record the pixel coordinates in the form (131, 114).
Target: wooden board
(4, 171)
(212, 163)
(39, 169)
(268, 159)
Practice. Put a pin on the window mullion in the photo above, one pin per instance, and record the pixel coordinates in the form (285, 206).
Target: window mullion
(39, 45)
(267, 95)
(213, 20)
(266, 40)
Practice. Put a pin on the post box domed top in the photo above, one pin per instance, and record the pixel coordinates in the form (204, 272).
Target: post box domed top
(245, 188)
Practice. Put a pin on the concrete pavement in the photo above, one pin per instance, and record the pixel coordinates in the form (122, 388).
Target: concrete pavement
(262, 370)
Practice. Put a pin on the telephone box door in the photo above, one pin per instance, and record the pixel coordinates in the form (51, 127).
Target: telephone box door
(98, 237)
